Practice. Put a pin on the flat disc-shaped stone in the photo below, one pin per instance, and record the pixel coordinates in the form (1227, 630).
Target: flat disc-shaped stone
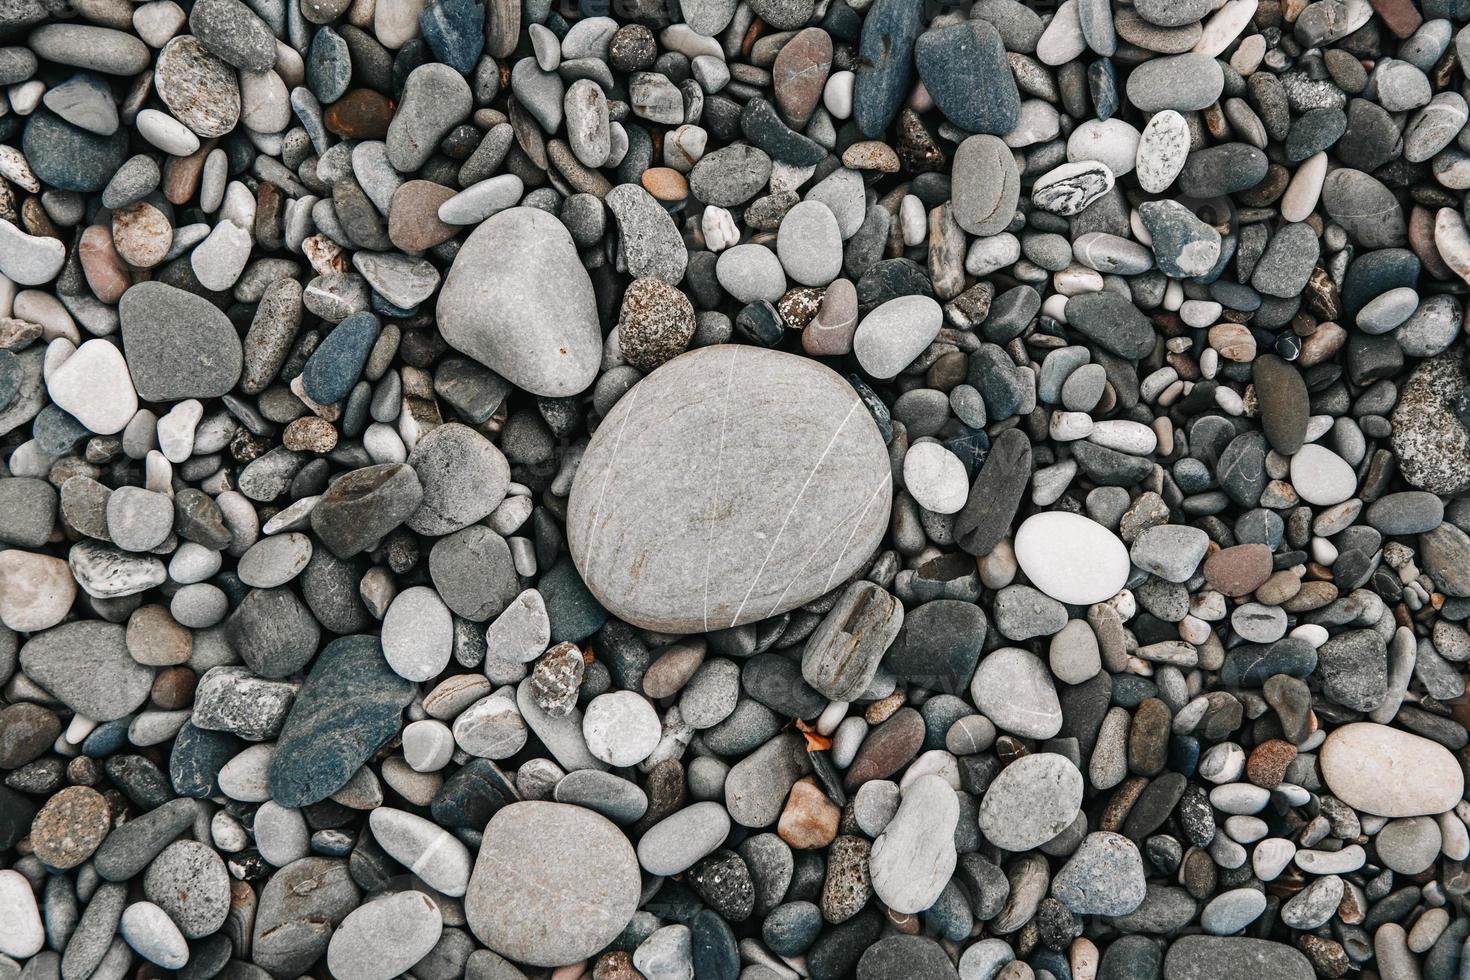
(730, 485)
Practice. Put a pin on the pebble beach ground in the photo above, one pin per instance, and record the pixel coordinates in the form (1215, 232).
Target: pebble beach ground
(718, 490)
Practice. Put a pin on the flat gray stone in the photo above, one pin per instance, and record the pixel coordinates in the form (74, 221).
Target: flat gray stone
(494, 306)
(791, 498)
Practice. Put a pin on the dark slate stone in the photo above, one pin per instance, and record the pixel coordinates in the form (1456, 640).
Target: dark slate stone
(965, 70)
(885, 63)
(350, 704)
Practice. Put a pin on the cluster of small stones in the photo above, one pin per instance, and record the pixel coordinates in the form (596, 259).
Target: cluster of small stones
(759, 489)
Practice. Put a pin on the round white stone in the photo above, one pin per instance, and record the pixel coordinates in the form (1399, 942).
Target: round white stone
(935, 477)
(621, 728)
(1322, 477)
(418, 634)
(1071, 558)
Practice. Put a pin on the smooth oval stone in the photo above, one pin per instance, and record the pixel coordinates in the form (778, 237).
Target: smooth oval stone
(552, 885)
(495, 307)
(1031, 801)
(985, 184)
(913, 858)
(1047, 546)
(86, 665)
(1209, 957)
(965, 71)
(1184, 82)
(385, 937)
(790, 495)
(178, 344)
(1390, 773)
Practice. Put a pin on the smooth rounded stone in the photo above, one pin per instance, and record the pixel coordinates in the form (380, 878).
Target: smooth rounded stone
(1184, 82)
(464, 477)
(890, 337)
(86, 665)
(522, 631)
(985, 184)
(1364, 207)
(418, 634)
(675, 843)
(152, 935)
(491, 728)
(1389, 772)
(1104, 876)
(1431, 328)
(275, 560)
(587, 877)
(200, 88)
(751, 272)
(1284, 403)
(29, 260)
(757, 786)
(138, 519)
(1322, 477)
(1231, 911)
(964, 69)
(618, 799)
(1163, 147)
(66, 157)
(1031, 801)
(385, 937)
(909, 956)
(21, 932)
(621, 728)
(545, 341)
(177, 345)
(101, 49)
(935, 477)
(1429, 442)
(189, 882)
(93, 386)
(1170, 14)
(885, 69)
(809, 244)
(761, 561)
(481, 200)
(425, 848)
(1171, 551)
(435, 99)
(914, 857)
(1405, 512)
(36, 591)
(1044, 546)
(1409, 846)
(1207, 957)
(1013, 688)
(70, 827)
(730, 175)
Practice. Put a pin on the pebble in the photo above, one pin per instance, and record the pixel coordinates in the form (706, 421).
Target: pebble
(1031, 801)
(385, 937)
(589, 884)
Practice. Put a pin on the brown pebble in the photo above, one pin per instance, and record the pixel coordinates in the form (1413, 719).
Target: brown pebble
(413, 216)
(361, 114)
(154, 639)
(1238, 570)
(810, 819)
(617, 965)
(666, 184)
(141, 234)
(887, 749)
(173, 689)
(1267, 763)
(181, 174)
(70, 827)
(676, 663)
(871, 155)
(105, 270)
(27, 731)
(309, 434)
